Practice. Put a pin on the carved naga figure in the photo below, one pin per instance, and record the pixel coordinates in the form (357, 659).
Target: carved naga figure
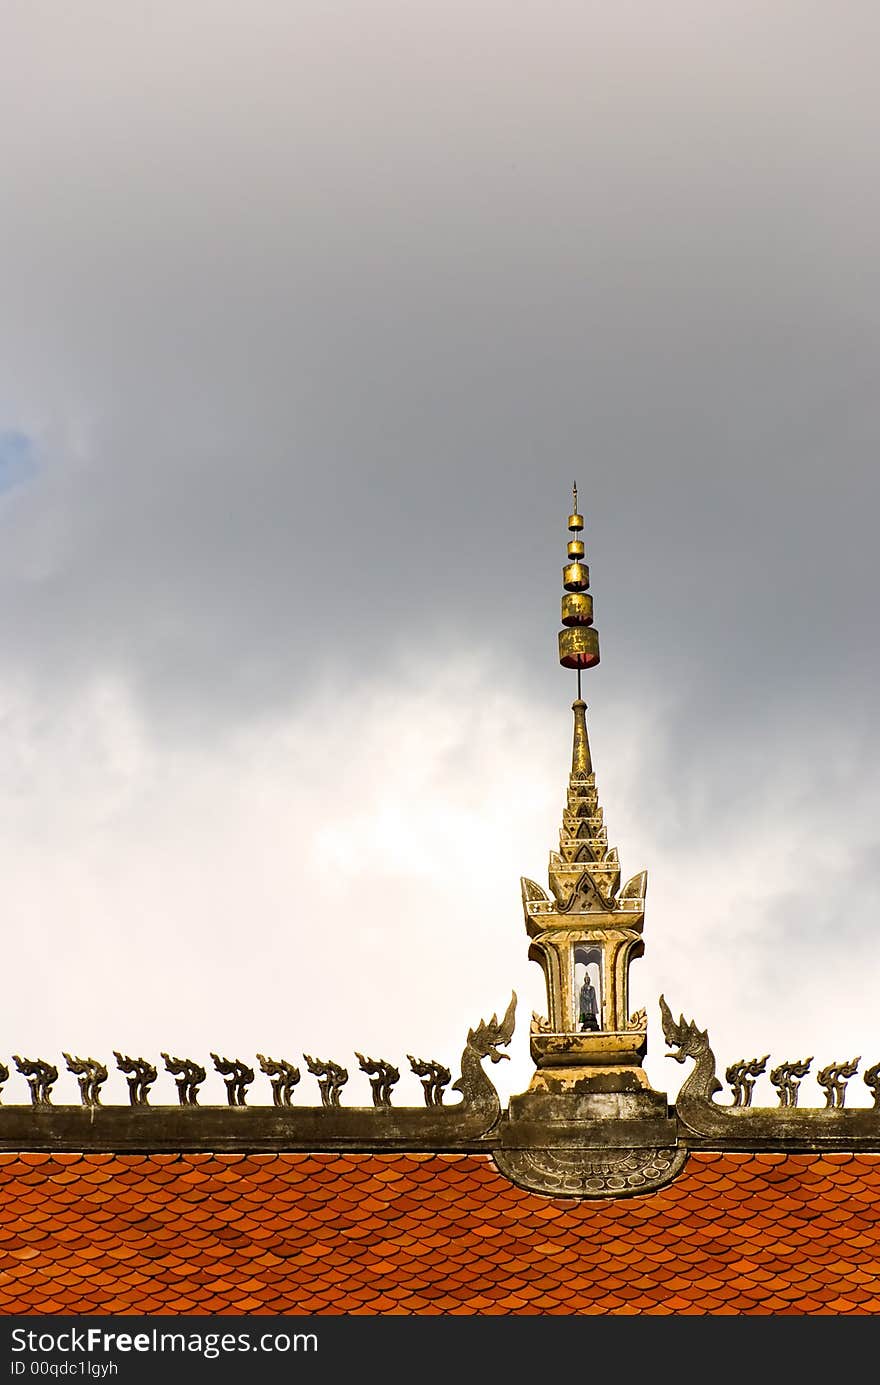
(483, 1042)
(40, 1078)
(741, 1077)
(331, 1079)
(237, 1077)
(434, 1077)
(91, 1076)
(786, 1079)
(691, 1042)
(833, 1080)
(871, 1079)
(140, 1076)
(188, 1075)
(382, 1078)
(283, 1077)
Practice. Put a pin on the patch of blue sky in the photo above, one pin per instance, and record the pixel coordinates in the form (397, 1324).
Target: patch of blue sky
(18, 462)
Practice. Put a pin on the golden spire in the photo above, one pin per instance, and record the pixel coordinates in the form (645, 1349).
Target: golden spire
(587, 930)
(581, 761)
(579, 642)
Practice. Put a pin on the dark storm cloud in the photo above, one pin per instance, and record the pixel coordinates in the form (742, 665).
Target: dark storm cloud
(315, 313)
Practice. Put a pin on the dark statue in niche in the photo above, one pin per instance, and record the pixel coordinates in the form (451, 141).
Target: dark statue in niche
(588, 1005)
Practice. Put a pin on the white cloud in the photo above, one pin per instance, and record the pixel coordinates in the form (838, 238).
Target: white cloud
(347, 878)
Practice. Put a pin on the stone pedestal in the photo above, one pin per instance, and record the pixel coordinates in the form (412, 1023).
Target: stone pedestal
(605, 1136)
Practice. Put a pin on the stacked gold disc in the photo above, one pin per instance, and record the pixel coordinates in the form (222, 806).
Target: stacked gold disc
(578, 642)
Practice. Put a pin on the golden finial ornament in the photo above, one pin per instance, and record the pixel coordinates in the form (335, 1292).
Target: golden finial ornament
(578, 642)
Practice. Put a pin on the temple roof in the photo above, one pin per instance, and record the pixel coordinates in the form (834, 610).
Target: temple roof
(430, 1233)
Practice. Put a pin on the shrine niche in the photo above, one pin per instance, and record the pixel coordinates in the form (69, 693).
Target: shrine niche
(586, 999)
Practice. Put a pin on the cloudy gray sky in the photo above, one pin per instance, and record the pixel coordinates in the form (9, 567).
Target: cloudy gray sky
(309, 315)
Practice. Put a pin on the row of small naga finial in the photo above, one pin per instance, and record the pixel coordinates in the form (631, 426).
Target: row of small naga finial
(786, 1079)
(91, 1074)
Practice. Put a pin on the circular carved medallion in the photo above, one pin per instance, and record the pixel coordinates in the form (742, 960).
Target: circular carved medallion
(591, 1172)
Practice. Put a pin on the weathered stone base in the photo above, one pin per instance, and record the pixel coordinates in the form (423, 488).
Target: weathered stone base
(591, 1100)
(573, 1081)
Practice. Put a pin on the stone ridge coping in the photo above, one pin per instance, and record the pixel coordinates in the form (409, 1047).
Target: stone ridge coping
(254, 1129)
